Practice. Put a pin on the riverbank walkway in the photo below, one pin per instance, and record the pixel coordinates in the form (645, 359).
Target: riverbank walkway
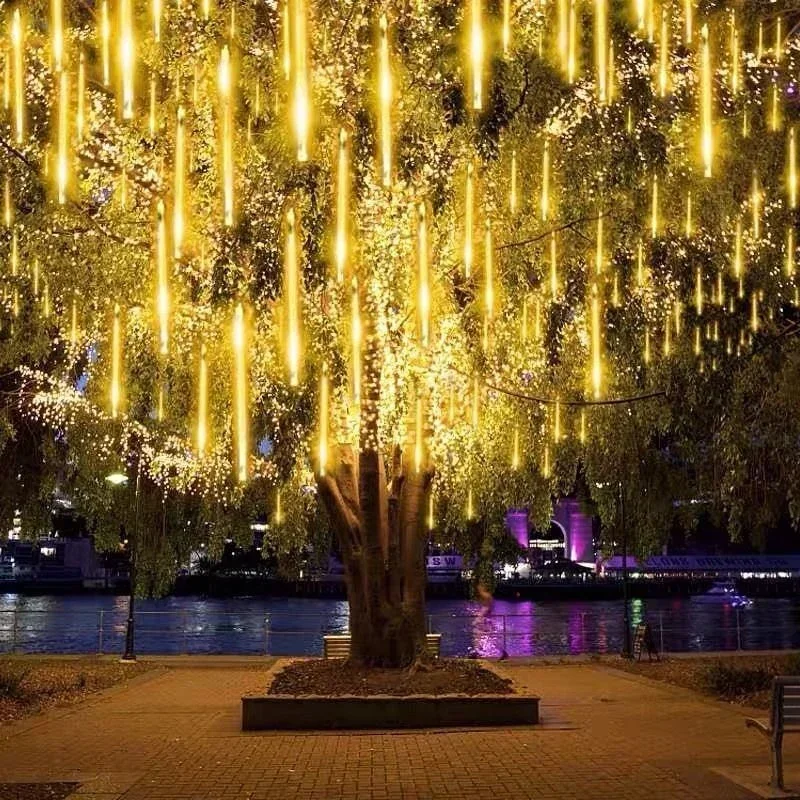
(174, 734)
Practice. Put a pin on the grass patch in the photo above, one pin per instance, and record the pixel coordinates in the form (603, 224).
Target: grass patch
(744, 679)
(29, 685)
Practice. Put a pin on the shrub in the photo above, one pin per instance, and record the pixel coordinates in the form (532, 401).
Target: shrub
(732, 682)
(11, 681)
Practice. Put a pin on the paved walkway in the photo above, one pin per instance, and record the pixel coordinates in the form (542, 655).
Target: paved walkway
(174, 734)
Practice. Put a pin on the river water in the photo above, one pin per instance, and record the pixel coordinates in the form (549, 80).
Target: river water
(291, 626)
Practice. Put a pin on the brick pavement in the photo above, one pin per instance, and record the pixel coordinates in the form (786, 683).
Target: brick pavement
(174, 734)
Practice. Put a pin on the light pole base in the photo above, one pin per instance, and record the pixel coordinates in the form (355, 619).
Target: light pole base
(128, 660)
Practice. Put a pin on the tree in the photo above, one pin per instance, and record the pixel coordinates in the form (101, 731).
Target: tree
(421, 261)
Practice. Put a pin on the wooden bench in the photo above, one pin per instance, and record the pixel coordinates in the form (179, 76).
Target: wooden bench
(784, 717)
(338, 645)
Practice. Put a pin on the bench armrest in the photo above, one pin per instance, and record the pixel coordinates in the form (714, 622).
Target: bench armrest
(762, 726)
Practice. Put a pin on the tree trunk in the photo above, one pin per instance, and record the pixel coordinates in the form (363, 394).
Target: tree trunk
(381, 533)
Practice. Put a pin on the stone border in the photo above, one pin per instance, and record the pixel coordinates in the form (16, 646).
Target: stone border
(353, 712)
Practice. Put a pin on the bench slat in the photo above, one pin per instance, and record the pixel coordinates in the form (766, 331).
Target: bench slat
(338, 645)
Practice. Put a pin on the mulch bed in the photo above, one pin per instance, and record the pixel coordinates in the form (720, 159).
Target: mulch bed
(28, 686)
(696, 672)
(335, 677)
(36, 791)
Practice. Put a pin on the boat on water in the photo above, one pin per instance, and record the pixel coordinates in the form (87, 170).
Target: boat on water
(723, 593)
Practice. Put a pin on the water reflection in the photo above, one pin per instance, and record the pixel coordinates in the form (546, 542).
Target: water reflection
(285, 626)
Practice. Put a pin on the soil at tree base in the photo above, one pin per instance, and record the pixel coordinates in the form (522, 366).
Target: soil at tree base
(334, 677)
(36, 791)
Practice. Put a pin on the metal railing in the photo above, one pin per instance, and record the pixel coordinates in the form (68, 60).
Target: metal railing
(281, 633)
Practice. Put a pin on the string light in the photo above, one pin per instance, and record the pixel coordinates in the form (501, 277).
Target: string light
(476, 54)
(418, 433)
(792, 171)
(105, 42)
(356, 337)
(599, 258)
(163, 279)
(601, 49)
(582, 434)
(299, 60)
(324, 419)
(512, 197)
(423, 287)
(553, 266)
(202, 403)
(790, 252)
(755, 206)
(292, 300)
(688, 21)
(597, 367)
(127, 57)
(157, 21)
(572, 64)
(545, 201)
(240, 395)
(563, 33)
(469, 201)
(515, 448)
(506, 28)
(178, 222)
(62, 163)
(80, 114)
(57, 30)
(654, 208)
(17, 45)
(116, 364)
(689, 215)
(489, 272)
(385, 103)
(342, 210)
(663, 54)
(706, 135)
(226, 133)
(8, 210)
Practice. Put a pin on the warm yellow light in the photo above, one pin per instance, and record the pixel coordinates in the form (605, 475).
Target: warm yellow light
(80, 114)
(706, 100)
(646, 345)
(469, 223)
(127, 57)
(470, 504)
(241, 392)
(488, 272)
(698, 346)
(163, 300)
(572, 64)
(206, 15)
(791, 177)
(629, 121)
(663, 54)
(601, 48)
(105, 42)
(178, 223)
(342, 209)
(512, 197)
(36, 278)
(760, 46)
(7, 80)
(755, 323)
(755, 207)
(615, 290)
(738, 261)
(557, 421)
(735, 67)
(640, 263)
(324, 420)
(476, 54)
(546, 462)
(553, 266)
(775, 109)
(301, 99)
(157, 21)
(431, 519)
(14, 257)
(720, 289)
(596, 335)
(62, 159)
(287, 40)
(292, 300)
(278, 516)
(57, 32)
(152, 117)
(790, 248)
(537, 319)
(17, 45)
(418, 434)
(224, 80)
(611, 71)
(688, 21)
(423, 278)
(778, 40)
(506, 28)
(385, 93)
(116, 364)
(698, 292)
(582, 433)
(515, 448)
(599, 258)
(563, 32)
(651, 21)
(356, 338)
(73, 328)
(745, 122)
(202, 404)
(654, 208)
(545, 201)
(8, 208)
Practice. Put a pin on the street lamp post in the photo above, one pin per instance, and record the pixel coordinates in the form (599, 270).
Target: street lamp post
(129, 654)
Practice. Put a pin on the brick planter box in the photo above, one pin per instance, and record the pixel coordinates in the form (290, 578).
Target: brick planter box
(314, 712)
